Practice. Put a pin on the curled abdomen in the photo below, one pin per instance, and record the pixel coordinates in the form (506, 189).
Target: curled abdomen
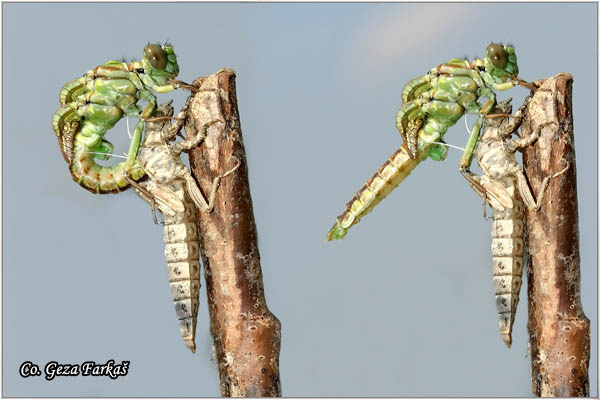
(97, 178)
(80, 151)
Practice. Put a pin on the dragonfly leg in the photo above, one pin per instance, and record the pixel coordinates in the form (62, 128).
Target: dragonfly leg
(134, 145)
(526, 84)
(175, 128)
(515, 122)
(146, 196)
(474, 181)
(515, 144)
(409, 120)
(467, 157)
(196, 194)
(189, 144)
(526, 192)
(181, 84)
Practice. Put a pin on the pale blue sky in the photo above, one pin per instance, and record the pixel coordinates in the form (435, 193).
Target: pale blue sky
(402, 307)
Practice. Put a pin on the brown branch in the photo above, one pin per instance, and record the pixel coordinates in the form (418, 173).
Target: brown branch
(246, 334)
(559, 331)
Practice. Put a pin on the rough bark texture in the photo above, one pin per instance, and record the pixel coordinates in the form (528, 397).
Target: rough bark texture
(559, 331)
(246, 334)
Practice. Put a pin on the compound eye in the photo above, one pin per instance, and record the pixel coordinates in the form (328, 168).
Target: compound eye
(498, 55)
(156, 56)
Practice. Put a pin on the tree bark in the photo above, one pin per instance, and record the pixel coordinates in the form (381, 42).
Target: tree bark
(559, 331)
(246, 334)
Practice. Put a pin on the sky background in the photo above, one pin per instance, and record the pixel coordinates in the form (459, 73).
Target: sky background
(404, 306)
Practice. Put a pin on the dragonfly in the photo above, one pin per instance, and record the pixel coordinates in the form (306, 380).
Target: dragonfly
(94, 103)
(431, 104)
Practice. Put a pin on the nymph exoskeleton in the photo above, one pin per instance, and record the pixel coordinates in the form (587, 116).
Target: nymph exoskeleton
(172, 189)
(431, 104)
(504, 187)
(94, 103)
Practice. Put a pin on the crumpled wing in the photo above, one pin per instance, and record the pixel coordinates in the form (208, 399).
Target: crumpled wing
(498, 196)
(167, 200)
(65, 123)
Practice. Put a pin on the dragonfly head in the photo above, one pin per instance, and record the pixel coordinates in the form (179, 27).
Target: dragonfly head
(500, 62)
(160, 63)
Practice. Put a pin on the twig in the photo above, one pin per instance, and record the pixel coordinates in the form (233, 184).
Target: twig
(246, 334)
(559, 331)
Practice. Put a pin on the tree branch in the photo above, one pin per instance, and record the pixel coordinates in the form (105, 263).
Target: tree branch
(246, 334)
(559, 331)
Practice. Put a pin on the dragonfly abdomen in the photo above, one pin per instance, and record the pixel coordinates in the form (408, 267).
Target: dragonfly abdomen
(507, 256)
(182, 254)
(396, 168)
